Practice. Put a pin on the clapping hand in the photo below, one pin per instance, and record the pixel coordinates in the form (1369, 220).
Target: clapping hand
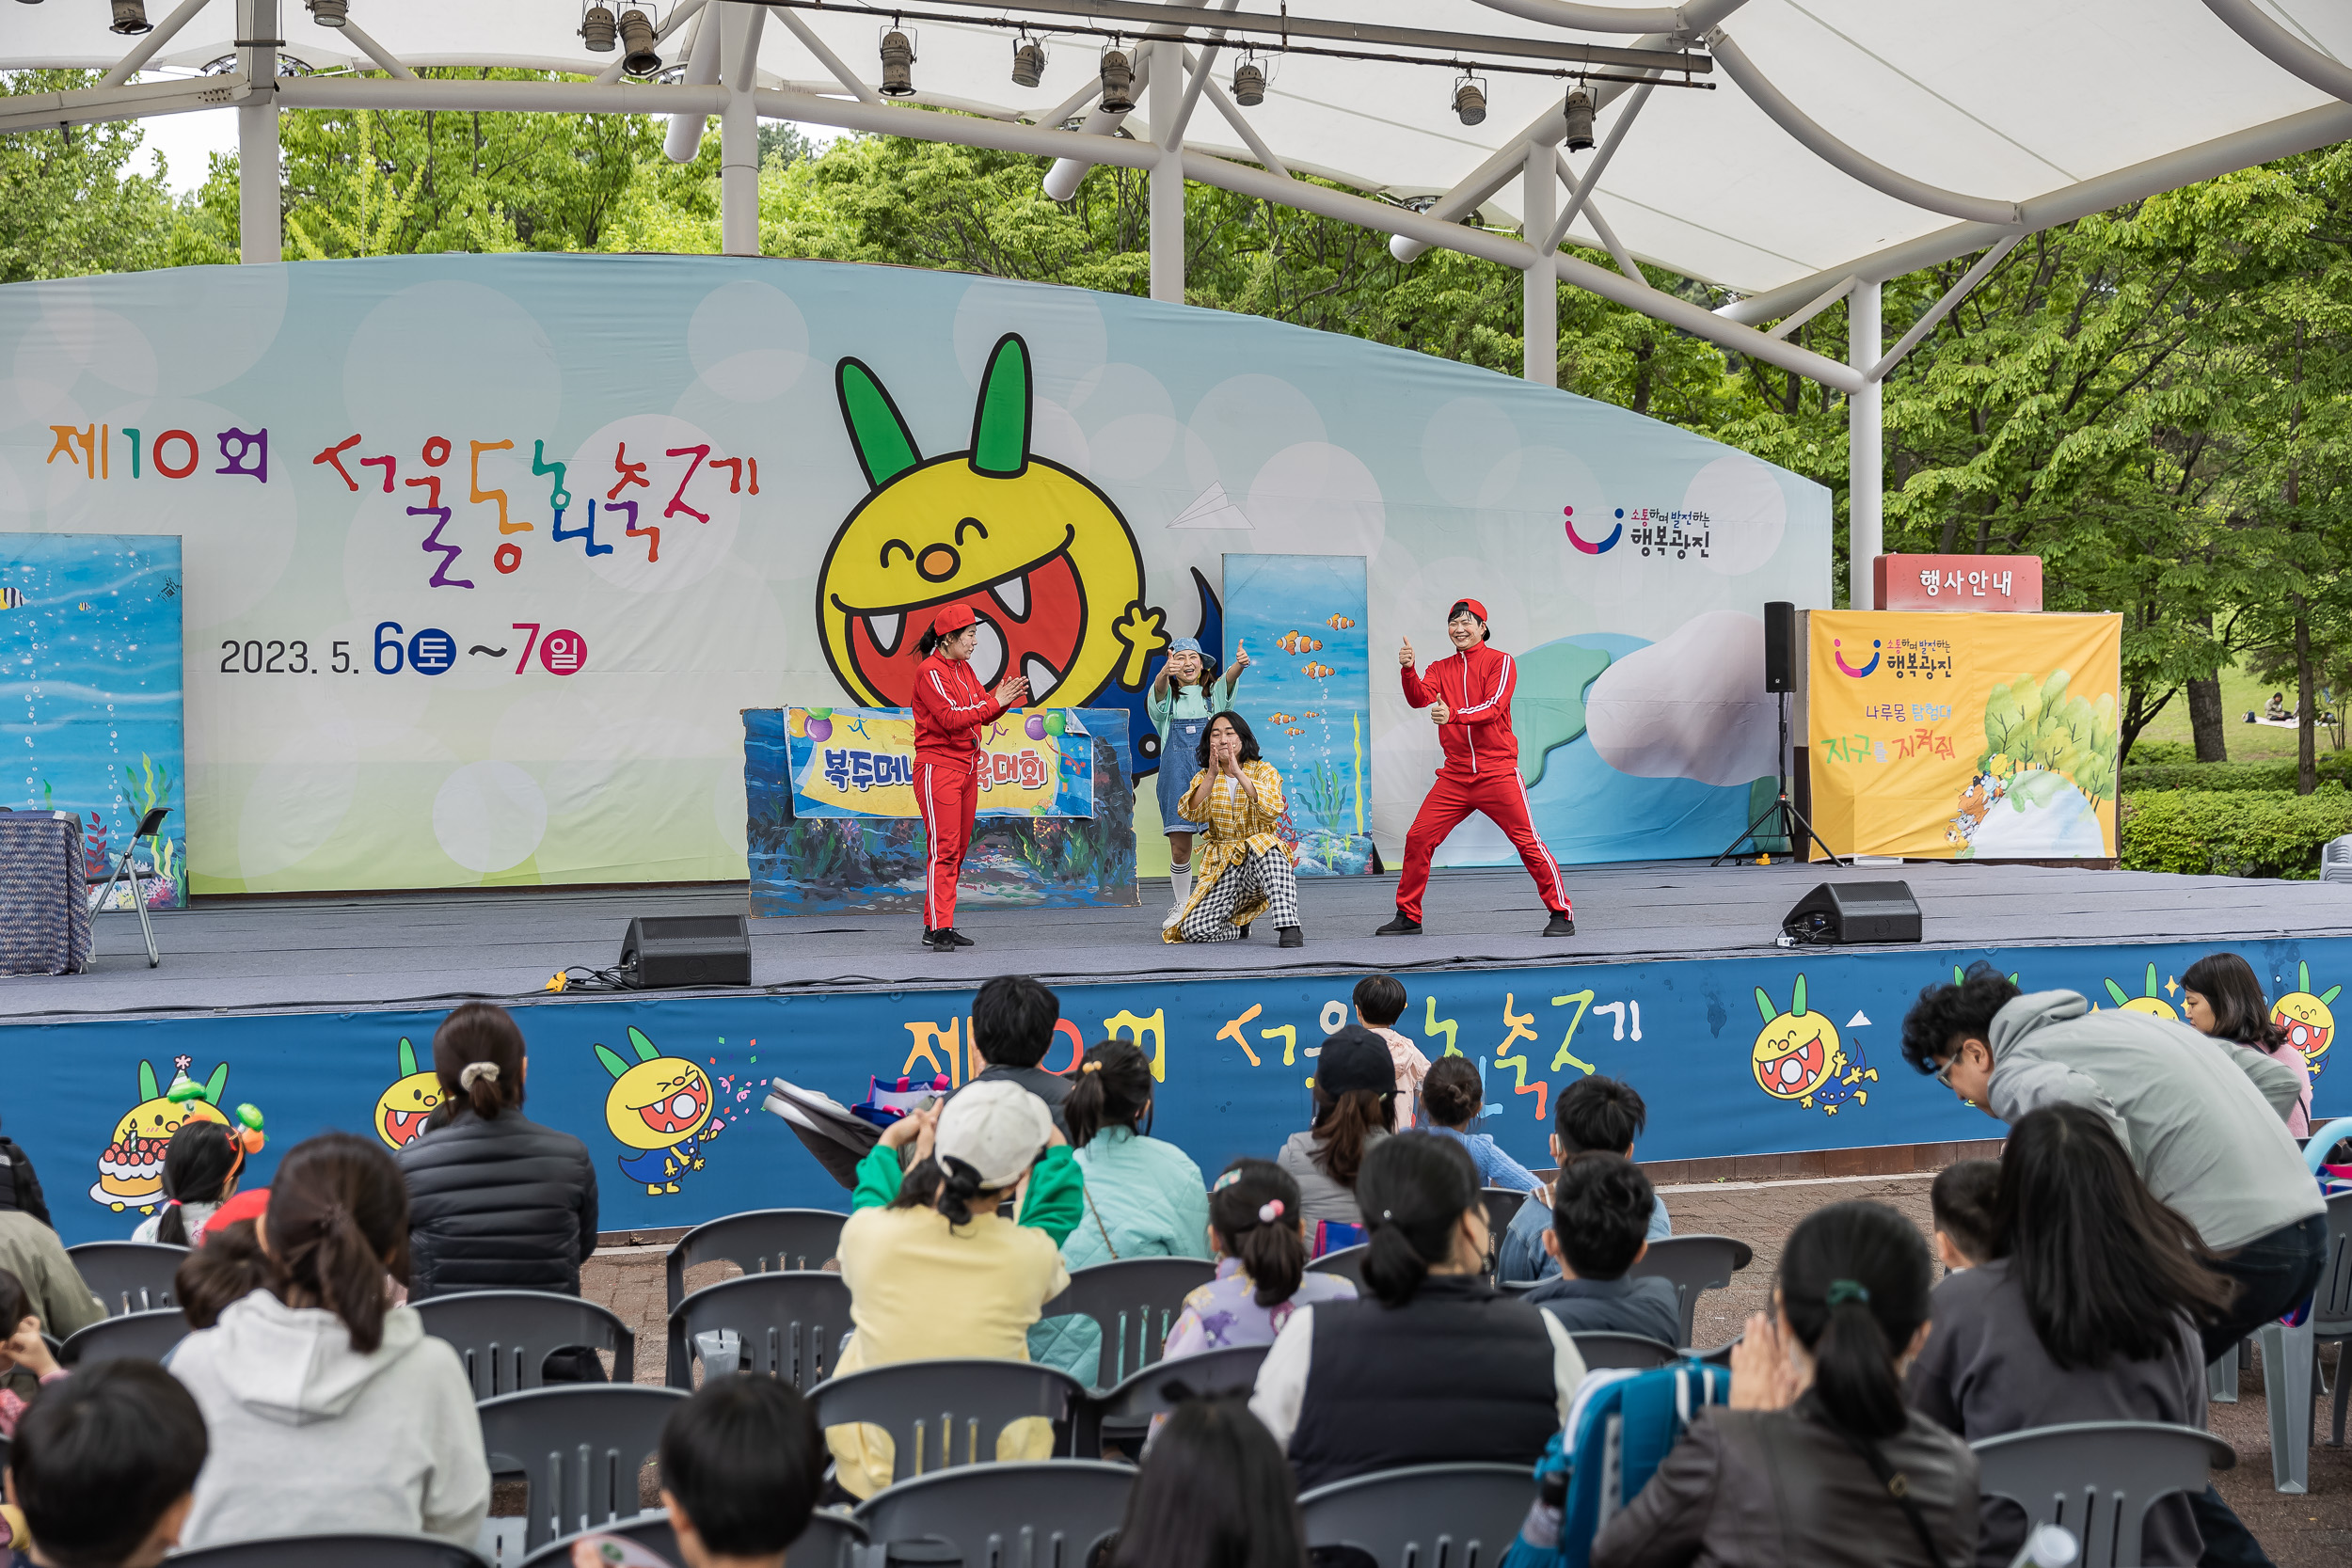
(1012, 691)
(1405, 654)
(25, 1348)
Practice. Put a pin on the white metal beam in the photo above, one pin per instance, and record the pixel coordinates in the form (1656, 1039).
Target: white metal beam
(1580, 187)
(1167, 91)
(1866, 452)
(1539, 287)
(376, 52)
(2282, 48)
(739, 26)
(833, 62)
(259, 213)
(1061, 181)
(685, 136)
(1615, 246)
(1233, 115)
(48, 111)
(153, 41)
(1201, 64)
(1943, 307)
(1827, 297)
(1666, 20)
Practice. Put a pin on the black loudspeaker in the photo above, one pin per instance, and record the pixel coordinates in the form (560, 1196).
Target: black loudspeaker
(687, 950)
(1855, 912)
(1780, 646)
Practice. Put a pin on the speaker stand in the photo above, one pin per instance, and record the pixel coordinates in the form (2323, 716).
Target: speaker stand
(1783, 812)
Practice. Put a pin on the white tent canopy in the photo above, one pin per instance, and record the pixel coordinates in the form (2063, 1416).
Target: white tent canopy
(1833, 144)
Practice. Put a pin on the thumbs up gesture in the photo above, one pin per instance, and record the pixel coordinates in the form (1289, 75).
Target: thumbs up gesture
(1405, 654)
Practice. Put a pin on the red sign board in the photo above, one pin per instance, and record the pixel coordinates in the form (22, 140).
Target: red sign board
(1970, 582)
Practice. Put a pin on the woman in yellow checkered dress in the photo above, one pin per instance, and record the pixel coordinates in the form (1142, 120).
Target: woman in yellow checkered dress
(1242, 867)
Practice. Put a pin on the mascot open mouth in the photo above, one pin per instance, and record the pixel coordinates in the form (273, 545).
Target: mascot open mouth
(1790, 1073)
(676, 1112)
(402, 1127)
(1032, 623)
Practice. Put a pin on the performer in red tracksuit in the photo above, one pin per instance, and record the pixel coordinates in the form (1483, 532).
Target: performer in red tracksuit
(951, 706)
(1469, 695)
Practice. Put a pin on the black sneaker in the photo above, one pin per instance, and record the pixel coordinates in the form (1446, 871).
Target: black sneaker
(942, 940)
(1292, 937)
(957, 937)
(1400, 925)
(1561, 924)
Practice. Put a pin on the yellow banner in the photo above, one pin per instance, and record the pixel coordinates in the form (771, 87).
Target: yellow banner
(860, 762)
(1945, 736)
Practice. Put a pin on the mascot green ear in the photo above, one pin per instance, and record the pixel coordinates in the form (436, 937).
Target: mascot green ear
(218, 1082)
(2117, 993)
(408, 1058)
(1000, 423)
(147, 1080)
(646, 1051)
(612, 1063)
(1796, 1003)
(1764, 1005)
(2152, 980)
(886, 449)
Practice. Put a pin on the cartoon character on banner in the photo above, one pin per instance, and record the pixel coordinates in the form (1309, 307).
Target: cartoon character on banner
(401, 1109)
(2146, 1001)
(1043, 559)
(657, 1106)
(131, 1171)
(2309, 1020)
(1799, 1057)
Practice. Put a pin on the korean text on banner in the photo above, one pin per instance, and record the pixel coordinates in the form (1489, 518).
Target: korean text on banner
(1942, 737)
(860, 762)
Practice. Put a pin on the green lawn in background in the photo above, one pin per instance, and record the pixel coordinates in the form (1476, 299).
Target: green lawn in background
(2247, 742)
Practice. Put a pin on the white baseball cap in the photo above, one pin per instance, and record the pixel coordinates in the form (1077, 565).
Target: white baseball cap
(997, 1128)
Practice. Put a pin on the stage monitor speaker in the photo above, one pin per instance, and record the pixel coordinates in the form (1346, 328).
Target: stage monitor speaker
(1855, 912)
(1780, 645)
(661, 951)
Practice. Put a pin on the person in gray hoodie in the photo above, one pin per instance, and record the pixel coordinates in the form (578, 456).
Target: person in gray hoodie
(2203, 1119)
(330, 1410)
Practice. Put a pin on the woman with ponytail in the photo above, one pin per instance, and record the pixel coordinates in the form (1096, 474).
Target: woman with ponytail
(1437, 1366)
(329, 1409)
(1355, 1090)
(201, 1166)
(496, 1201)
(1817, 1461)
(1262, 1274)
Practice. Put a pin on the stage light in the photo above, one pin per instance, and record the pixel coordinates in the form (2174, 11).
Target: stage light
(598, 29)
(1028, 63)
(330, 13)
(897, 64)
(131, 16)
(1470, 102)
(1118, 84)
(1249, 84)
(1580, 115)
(639, 57)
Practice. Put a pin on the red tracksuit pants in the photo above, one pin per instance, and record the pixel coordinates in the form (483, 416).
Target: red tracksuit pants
(948, 795)
(1500, 794)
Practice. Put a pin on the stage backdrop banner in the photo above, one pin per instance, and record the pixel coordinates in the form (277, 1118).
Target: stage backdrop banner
(511, 540)
(1306, 695)
(1942, 737)
(860, 762)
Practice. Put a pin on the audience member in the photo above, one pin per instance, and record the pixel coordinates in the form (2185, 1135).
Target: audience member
(2086, 1310)
(1013, 1020)
(1355, 1108)
(23, 1348)
(19, 1187)
(1379, 1003)
(1143, 1195)
(1437, 1366)
(329, 1409)
(741, 1466)
(228, 1267)
(2205, 1122)
(31, 1251)
(1816, 1460)
(1960, 1201)
(201, 1166)
(104, 1467)
(1453, 1096)
(2222, 997)
(944, 1274)
(1601, 1208)
(1591, 1115)
(1261, 1271)
(1214, 1492)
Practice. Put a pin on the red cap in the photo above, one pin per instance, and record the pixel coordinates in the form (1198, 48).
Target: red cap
(1473, 607)
(952, 617)
(250, 1204)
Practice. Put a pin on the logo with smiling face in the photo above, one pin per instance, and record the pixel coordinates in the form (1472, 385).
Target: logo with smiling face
(2146, 1001)
(1798, 1056)
(1838, 651)
(657, 1106)
(2308, 1018)
(401, 1109)
(1046, 564)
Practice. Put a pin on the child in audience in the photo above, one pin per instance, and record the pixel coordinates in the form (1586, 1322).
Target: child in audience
(1594, 1113)
(1013, 1024)
(103, 1468)
(1214, 1492)
(1601, 1210)
(332, 1410)
(2222, 997)
(741, 1465)
(945, 1275)
(1961, 1203)
(1354, 1099)
(201, 1166)
(1453, 1098)
(1379, 1003)
(23, 1348)
(228, 1267)
(1262, 1274)
(1143, 1197)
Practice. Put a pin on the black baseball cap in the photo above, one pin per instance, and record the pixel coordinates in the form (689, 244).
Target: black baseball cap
(1355, 1058)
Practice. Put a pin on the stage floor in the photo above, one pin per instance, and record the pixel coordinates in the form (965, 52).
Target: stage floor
(428, 949)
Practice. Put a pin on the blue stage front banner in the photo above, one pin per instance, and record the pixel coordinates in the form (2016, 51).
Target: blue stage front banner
(1782, 1051)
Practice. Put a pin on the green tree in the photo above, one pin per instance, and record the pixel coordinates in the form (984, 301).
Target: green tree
(67, 206)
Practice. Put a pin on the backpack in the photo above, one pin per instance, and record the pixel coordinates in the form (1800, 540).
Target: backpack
(1622, 1426)
(20, 1189)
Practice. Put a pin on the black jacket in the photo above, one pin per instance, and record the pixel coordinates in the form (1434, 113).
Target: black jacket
(20, 1189)
(1622, 1305)
(504, 1205)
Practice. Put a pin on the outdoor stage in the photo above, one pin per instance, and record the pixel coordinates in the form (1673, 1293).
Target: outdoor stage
(1668, 984)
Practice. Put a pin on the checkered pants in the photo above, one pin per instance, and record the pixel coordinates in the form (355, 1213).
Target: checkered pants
(1265, 875)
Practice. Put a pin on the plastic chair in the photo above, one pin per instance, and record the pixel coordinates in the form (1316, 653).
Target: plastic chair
(1134, 1303)
(129, 1277)
(1347, 1262)
(926, 1405)
(343, 1551)
(2335, 859)
(1129, 1407)
(1503, 1205)
(1425, 1515)
(830, 1541)
(1015, 1516)
(2291, 1355)
(136, 1336)
(579, 1448)
(504, 1336)
(787, 1325)
(760, 1240)
(2097, 1478)
(1694, 1264)
(1640, 1351)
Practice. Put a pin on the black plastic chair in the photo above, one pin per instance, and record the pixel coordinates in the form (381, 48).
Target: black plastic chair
(1347, 1262)
(1502, 1207)
(578, 1448)
(787, 1325)
(504, 1336)
(830, 1541)
(929, 1407)
(129, 1277)
(136, 1336)
(1638, 1351)
(1423, 1516)
(760, 1240)
(343, 1551)
(1015, 1516)
(1135, 1304)
(2098, 1477)
(1129, 1407)
(1693, 1264)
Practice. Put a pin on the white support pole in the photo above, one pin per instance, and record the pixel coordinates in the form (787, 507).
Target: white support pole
(738, 128)
(1168, 173)
(1943, 307)
(1539, 286)
(258, 216)
(1866, 462)
(1580, 188)
(684, 139)
(1813, 307)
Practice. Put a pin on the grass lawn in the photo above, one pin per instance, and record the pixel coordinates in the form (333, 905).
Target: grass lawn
(2247, 742)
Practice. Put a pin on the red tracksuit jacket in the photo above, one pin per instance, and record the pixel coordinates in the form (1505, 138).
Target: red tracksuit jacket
(1477, 688)
(951, 706)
